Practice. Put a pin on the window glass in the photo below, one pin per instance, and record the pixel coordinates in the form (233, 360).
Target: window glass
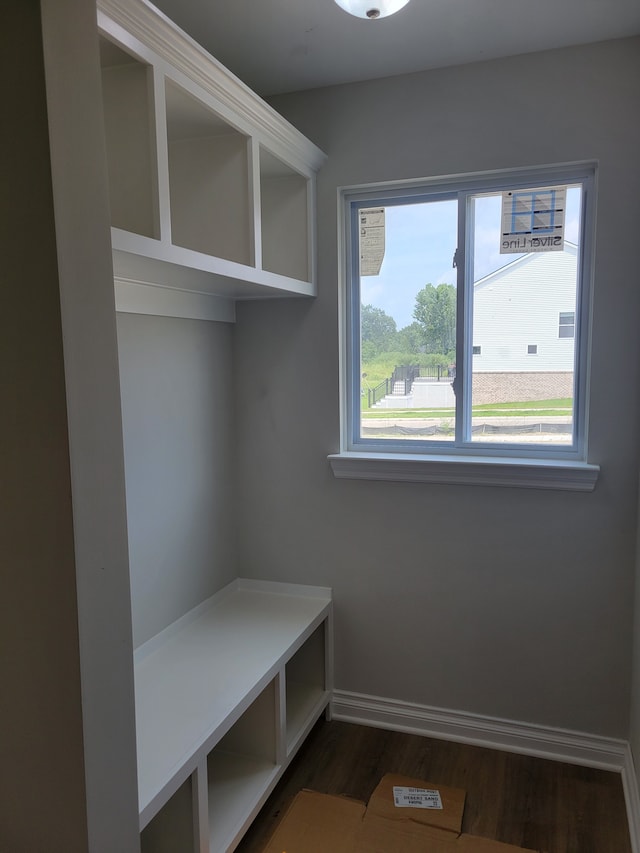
(408, 326)
(447, 285)
(517, 297)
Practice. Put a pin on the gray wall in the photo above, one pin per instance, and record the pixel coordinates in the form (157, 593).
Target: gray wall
(510, 603)
(177, 410)
(42, 793)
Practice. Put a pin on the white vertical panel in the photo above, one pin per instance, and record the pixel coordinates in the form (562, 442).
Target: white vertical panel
(200, 795)
(78, 160)
(254, 202)
(281, 717)
(162, 148)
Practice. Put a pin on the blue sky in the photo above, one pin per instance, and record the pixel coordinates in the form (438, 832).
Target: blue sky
(420, 240)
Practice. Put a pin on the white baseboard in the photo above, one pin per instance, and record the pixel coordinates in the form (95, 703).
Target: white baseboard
(522, 738)
(632, 799)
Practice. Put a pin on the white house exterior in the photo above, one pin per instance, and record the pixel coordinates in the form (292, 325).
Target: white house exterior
(524, 329)
(522, 314)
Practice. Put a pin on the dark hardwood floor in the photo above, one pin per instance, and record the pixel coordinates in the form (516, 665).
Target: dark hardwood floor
(531, 802)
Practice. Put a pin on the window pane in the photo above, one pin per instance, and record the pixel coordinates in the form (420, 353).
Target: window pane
(517, 297)
(408, 323)
(566, 332)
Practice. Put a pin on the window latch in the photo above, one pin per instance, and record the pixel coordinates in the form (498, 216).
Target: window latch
(455, 259)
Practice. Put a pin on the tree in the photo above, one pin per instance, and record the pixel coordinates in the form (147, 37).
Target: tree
(378, 331)
(410, 339)
(435, 311)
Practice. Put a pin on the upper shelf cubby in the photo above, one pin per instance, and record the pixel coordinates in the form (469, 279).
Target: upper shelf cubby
(284, 216)
(127, 88)
(208, 180)
(212, 192)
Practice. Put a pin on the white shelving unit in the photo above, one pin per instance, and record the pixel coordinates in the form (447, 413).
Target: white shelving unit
(212, 192)
(224, 698)
(214, 723)
(212, 199)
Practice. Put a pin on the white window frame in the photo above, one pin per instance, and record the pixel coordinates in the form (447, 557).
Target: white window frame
(462, 462)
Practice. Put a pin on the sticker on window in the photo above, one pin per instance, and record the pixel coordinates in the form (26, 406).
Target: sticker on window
(371, 240)
(416, 798)
(533, 220)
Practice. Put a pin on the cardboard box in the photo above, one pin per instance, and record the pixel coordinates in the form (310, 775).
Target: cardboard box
(402, 816)
(318, 823)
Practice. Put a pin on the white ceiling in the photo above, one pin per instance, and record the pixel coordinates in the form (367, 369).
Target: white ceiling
(277, 46)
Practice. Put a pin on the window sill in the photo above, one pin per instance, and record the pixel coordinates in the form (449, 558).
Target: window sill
(467, 470)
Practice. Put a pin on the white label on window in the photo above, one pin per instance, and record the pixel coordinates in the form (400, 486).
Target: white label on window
(416, 798)
(533, 220)
(371, 240)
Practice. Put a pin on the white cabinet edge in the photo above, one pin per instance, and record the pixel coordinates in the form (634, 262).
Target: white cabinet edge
(281, 588)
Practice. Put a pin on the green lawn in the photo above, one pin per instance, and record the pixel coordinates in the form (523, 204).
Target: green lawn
(538, 408)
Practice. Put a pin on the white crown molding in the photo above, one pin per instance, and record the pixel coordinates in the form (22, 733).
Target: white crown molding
(143, 21)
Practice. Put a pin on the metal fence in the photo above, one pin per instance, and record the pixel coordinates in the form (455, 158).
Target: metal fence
(403, 377)
(377, 393)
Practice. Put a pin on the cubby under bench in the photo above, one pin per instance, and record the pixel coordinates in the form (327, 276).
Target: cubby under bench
(224, 698)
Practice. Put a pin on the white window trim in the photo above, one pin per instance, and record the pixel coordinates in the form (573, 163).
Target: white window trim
(470, 470)
(521, 468)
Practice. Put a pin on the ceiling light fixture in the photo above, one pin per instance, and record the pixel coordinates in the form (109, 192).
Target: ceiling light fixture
(371, 9)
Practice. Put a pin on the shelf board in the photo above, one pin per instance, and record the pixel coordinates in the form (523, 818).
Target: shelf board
(144, 260)
(238, 786)
(190, 688)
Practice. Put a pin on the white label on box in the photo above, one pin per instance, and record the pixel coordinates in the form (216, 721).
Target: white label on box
(416, 798)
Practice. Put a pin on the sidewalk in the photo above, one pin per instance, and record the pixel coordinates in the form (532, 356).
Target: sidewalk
(521, 429)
